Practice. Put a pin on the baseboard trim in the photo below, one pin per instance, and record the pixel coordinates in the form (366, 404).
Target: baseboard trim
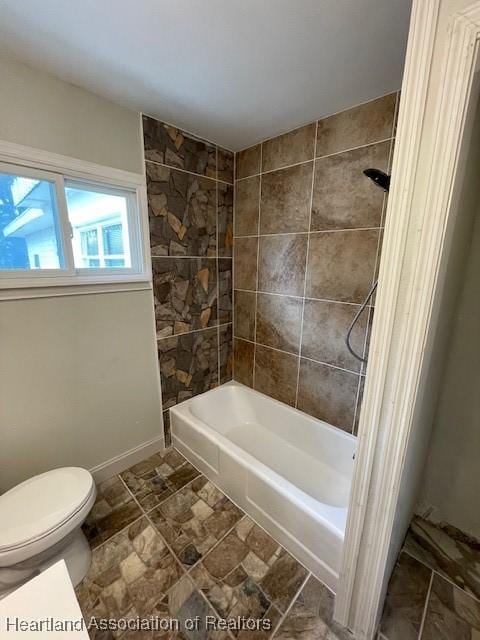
(125, 460)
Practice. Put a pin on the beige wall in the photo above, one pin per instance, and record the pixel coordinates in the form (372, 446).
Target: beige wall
(41, 111)
(79, 381)
(452, 476)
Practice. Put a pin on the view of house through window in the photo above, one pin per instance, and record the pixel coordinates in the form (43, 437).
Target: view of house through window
(50, 223)
(29, 224)
(100, 228)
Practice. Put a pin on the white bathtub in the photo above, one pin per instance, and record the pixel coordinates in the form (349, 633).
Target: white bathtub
(290, 472)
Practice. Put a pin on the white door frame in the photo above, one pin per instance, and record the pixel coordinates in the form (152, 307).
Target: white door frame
(440, 63)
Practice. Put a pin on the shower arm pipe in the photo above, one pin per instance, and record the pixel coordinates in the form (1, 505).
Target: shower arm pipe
(355, 320)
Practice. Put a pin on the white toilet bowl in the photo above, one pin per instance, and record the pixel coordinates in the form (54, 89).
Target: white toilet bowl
(40, 523)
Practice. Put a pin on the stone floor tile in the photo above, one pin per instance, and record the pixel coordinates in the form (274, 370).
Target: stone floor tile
(194, 519)
(238, 582)
(406, 598)
(451, 613)
(311, 616)
(113, 510)
(184, 602)
(129, 574)
(158, 477)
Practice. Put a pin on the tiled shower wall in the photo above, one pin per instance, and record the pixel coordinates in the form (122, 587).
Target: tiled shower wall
(308, 232)
(190, 208)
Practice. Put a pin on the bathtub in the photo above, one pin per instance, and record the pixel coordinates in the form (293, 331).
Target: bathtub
(290, 472)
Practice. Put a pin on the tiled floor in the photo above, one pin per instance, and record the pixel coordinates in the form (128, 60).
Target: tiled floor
(434, 590)
(166, 542)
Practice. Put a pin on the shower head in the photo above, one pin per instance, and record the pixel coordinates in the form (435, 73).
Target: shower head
(379, 178)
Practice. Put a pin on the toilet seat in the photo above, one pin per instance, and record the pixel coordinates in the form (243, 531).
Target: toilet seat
(42, 510)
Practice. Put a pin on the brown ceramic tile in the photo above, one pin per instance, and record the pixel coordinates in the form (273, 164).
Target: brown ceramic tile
(184, 602)
(451, 613)
(225, 220)
(353, 255)
(327, 393)
(166, 428)
(281, 264)
(194, 519)
(155, 479)
(245, 314)
(289, 148)
(128, 575)
(225, 290)
(188, 365)
(247, 162)
(248, 573)
(406, 597)
(185, 294)
(285, 201)
(225, 162)
(276, 374)
(355, 127)
(113, 510)
(311, 617)
(225, 342)
(247, 196)
(279, 320)
(245, 257)
(176, 148)
(182, 212)
(343, 198)
(325, 326)
(243, 361)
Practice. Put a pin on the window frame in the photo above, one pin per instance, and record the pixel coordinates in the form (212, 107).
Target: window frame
(63, 172)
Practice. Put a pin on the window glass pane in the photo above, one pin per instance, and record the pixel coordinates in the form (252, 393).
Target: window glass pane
(113, 239)
(89, 242)
(100, 227)
(115, 263)
(29, 224)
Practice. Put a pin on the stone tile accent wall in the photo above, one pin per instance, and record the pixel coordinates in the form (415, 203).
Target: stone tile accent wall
(190, 208)
(308, 231)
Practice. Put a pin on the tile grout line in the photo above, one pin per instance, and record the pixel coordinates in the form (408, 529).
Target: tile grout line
(312, 185)
(301, 233)
(441, 575)
(427, 598)
(286, 295)
(288, 609)
(258, 256)
(191, 173)
(187, 333)
(314, 159)
(301, 357)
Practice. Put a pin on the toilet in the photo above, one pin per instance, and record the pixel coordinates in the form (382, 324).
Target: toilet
(40, 523)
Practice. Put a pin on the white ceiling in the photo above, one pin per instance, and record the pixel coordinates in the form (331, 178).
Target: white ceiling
(232, 71)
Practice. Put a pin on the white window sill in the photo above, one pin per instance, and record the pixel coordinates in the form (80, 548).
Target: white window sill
(74, 289)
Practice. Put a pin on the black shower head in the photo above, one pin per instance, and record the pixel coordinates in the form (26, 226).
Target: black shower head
(379, 178)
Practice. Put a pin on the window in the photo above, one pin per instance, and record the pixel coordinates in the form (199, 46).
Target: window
(57, 229)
